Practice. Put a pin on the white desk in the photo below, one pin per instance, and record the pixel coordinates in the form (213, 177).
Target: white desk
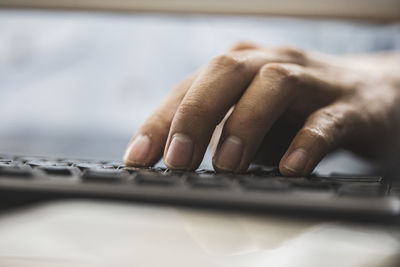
(84, 233)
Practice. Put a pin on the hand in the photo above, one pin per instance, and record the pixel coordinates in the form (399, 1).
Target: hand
(279, 104)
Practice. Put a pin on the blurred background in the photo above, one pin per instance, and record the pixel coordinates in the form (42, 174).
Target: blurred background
(79, 83)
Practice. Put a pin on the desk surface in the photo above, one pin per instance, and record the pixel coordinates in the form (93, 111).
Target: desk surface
(86, 233)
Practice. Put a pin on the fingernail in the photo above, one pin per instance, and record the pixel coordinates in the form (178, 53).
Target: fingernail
(297, 160)
(138, 150)
(180, 151)
(230, 154)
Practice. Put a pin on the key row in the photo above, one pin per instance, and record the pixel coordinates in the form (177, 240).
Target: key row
(364, 186)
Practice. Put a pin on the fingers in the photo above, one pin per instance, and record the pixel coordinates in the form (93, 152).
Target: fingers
(324, 130)
(265, 100)
(182, 126)
(147, 146)
(216, 89)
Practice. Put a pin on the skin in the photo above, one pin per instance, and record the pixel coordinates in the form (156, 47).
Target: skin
(275, 105)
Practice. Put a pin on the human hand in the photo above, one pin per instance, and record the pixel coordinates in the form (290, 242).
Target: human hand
(280, 105)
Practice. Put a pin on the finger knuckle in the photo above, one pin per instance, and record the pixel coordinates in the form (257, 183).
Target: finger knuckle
(194, 111)
(241, 46)
(318, 136)
(295, 54)
(337, 119)
(274, 69)
(285, 73)
(329, 115)
(228, 61)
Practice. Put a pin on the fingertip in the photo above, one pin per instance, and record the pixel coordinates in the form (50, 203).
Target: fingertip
(229, 155)
(138, 152)
(295, 163)
(179, 154)
(285, 171)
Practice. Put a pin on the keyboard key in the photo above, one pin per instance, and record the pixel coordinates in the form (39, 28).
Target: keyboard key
(309, 184)
(361, 190)
(115, 164)
(57, 170)
(131, 169)
(264, 171)
(105, 175)
(15, 172)
(73, 162)
(5, 164)
(152, 178)
(158, 169)
(10, 164)
(203, 171)
(208, 181)
(38, 163)
(87, 166)
(353, 178)
(26, 159)
(263, 184)
(174, 172)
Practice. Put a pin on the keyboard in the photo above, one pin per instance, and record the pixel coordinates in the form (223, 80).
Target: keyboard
(25, 179)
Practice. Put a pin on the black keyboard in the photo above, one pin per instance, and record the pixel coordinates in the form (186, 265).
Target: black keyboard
(24, 179)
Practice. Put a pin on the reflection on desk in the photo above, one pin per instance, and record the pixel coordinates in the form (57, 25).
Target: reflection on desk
(89, 233)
